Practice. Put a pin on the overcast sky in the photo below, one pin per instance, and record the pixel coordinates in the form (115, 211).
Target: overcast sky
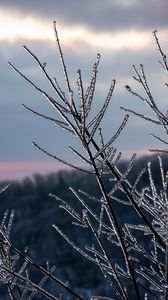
(121, 30)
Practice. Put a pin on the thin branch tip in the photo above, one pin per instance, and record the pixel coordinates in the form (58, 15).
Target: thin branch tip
(155, 32)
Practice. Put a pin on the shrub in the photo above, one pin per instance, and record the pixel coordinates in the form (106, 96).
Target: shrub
(133, 258)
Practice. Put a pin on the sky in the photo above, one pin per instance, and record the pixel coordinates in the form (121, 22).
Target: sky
(121, 30)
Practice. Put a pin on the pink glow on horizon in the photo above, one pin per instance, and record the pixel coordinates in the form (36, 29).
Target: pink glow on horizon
(19, 169)
(139, 153)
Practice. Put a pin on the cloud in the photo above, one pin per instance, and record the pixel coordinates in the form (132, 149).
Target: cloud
(120, 30)
(21, 127)
(15, 26)
(107, 15)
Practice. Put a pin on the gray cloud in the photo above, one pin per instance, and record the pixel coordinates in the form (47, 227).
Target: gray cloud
(20, 128)
(99, 15)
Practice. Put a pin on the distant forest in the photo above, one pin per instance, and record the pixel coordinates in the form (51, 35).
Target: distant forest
(35, 212)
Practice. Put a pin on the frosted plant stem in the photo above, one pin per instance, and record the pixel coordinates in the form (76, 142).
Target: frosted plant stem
(45, 73)
(166, 256)
(124, 295)
(28, 259)
(163, 56)
(72, 109)
(147, 203)
(72, 104)
(116, 174)
(27, 280)
(10, 292)
(114, 222)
